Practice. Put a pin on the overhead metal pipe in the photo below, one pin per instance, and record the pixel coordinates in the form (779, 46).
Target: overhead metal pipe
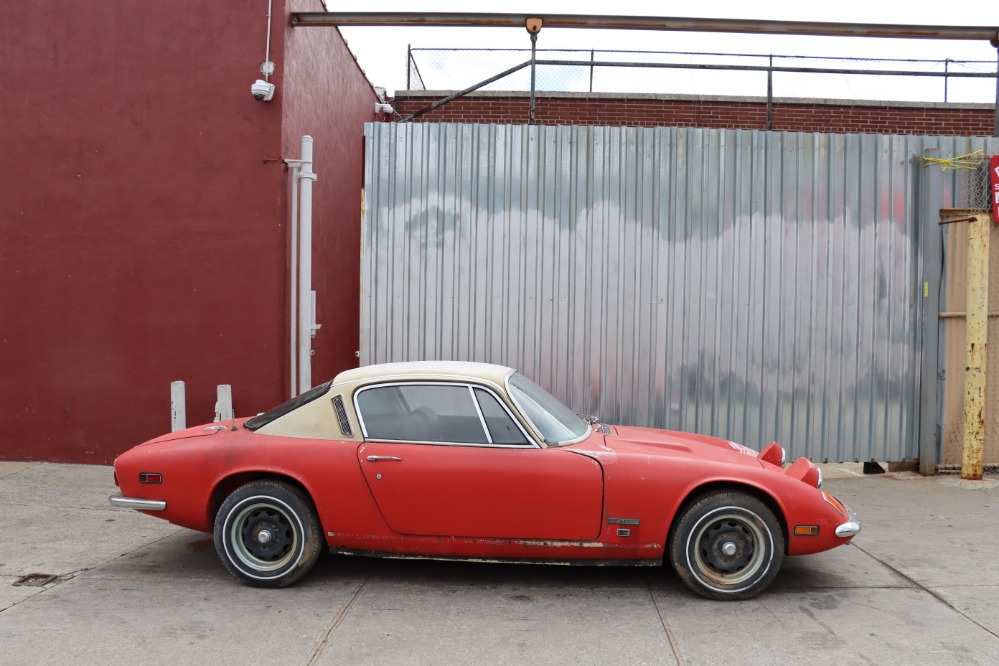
(682, 24)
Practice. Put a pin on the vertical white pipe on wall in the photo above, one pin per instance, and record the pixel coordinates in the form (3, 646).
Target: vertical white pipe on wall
(293, 298)
(305, 314)
(178, 407)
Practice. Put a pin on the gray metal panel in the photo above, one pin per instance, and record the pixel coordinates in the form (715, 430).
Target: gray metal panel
(744, 284)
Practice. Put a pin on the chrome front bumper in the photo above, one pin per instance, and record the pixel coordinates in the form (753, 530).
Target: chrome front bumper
(119, 502)
(851, 527)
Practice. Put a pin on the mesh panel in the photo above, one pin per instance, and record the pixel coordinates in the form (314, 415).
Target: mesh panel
(979, 187)
(677, 72)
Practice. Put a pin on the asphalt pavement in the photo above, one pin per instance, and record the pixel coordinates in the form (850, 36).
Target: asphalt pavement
(919, 585)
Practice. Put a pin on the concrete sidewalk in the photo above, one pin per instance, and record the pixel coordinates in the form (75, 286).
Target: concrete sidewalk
(920, 585)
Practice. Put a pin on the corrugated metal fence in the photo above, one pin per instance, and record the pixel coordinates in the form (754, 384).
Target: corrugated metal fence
(744, 284)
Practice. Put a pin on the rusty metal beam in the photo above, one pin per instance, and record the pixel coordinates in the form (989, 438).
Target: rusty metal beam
(683, 24)
(960, 315)
(977, 335)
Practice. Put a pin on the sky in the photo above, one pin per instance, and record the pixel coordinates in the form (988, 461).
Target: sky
(382, 51)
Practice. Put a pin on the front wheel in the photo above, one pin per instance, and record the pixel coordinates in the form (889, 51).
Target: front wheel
(727, 545)
(267, 534)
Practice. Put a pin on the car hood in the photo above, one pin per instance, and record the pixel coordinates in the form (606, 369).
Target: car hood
(670, 443)
(204, 430)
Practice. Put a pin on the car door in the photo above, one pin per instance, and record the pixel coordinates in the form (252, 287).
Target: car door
(446, 459)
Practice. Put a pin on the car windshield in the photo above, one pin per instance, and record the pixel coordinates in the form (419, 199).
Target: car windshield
(557, 423)
(260, 420)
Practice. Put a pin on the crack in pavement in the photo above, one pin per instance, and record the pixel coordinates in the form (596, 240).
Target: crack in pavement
(338, 620)
(916, 584)
(674, 645)
(65, 577)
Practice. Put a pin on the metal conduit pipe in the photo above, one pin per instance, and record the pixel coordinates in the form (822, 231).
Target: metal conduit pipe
(305, 323)
(293, 279)
(267, 48)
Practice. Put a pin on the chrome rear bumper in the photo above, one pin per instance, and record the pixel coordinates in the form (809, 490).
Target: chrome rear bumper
(119, 502)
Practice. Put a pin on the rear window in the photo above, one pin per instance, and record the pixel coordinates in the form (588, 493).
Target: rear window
(261, 420)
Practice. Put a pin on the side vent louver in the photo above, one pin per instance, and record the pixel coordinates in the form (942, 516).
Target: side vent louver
(341, 415)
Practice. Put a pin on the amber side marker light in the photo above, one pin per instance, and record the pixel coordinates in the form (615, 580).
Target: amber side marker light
(835, 503)
(806, 530)
(150, 477)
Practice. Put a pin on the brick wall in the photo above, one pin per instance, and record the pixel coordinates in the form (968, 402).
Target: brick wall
(799, 115)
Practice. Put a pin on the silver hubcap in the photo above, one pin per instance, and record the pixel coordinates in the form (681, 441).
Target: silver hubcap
(264, 534)
(729, 548)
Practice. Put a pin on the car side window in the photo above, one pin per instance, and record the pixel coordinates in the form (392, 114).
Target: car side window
(421, 413)
(384, 413)
(436, 413)
(502, 428)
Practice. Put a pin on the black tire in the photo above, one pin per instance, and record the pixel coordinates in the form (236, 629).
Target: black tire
(727, 546)
(267, 534)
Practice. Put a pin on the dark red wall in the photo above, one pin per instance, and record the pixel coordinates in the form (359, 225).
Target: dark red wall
(654, 110)
(143, 232)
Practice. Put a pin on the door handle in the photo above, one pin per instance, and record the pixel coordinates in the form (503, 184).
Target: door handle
(377, 458)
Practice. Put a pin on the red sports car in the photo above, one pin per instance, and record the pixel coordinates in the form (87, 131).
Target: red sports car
(474, 461)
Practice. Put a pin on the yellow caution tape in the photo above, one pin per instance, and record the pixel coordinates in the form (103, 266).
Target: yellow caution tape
(969, 161)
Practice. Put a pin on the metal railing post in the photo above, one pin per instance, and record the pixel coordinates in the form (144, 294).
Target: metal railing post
(534, 59)
(946, 78)
(591, 70)
(995, 127)
(409, 66)
(770, 94)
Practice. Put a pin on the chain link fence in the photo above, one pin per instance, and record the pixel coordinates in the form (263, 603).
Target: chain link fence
(979, 184)
(689, 73)
(975, 190)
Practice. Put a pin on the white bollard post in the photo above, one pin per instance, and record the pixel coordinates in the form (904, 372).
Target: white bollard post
(223, 408)
(178, 407)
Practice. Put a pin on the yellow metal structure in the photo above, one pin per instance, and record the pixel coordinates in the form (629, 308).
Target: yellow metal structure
(977, 333)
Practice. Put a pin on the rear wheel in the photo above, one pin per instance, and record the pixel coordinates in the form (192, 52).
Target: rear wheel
(727, 545)
(267, 534)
